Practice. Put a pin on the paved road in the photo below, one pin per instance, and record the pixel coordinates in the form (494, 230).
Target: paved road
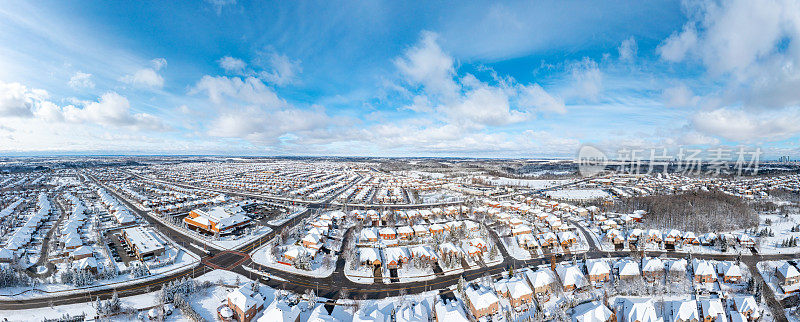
(331, 286)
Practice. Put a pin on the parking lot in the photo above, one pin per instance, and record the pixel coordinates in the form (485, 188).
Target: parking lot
(119, 249)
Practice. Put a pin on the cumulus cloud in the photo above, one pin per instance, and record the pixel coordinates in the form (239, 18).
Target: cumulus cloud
(627, 50)
(250, 110)
(18, 100)
(147, 77)
(232, 65)
(280, 69)
(752, 47)
(81, 80)
(111, 109)
(739, 125)
(428, 65)
(467, 101)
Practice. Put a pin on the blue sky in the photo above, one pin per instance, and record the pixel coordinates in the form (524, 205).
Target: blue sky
(374, 78)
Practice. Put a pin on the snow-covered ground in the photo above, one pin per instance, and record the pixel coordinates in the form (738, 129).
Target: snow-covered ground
(262, 256)
(286, 217)
(409, 273)
(578, 194)
(233, 242)
(514, 250)
(361, 274)
(529, 183)
(138, 302)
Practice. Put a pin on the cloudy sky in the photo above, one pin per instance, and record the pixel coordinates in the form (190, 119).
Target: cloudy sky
(397, 78)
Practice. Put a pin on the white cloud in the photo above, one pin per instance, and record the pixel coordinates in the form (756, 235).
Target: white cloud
(159, 63)
(232, 65)
(739, 125)
(751, 47)
(147, 77)
(587, 79)
(428, 65)
(18, 100)
(81, 80)
(485, 105)
(676, 47)
(536, 98)
(249, 90)
(112, 109)
(679, 96)
(281, 70)
(627, 50)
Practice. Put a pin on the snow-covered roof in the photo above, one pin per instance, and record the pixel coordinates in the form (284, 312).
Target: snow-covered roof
(482, 297)
(685, 310)
(368, 255)
(571, 275)
(516, 287)
(450, 311)
(591, 312)
(744, 303)
(279, 311)
(788, 270)
(411, 311)
(713, 308)
(143, 239)
(627, 267)
(539, 278)
(597, 267)
(653, 264)
(640, 309)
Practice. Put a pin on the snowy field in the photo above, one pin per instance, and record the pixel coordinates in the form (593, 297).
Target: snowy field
(529, 183)
(578, 194)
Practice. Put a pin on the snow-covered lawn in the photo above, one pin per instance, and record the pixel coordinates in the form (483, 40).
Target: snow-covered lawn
(262, 256)
(409, 273)
(514, 250)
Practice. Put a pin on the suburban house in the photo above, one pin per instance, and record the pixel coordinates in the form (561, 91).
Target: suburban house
(704, 272)
(245, 303)
(713, 310)
(730, 272)
(598, 270)
(788, 277)
(482, 301)
(541, 280)
(594, 312)
(571, 277)
(516, 290)
(652, 268)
